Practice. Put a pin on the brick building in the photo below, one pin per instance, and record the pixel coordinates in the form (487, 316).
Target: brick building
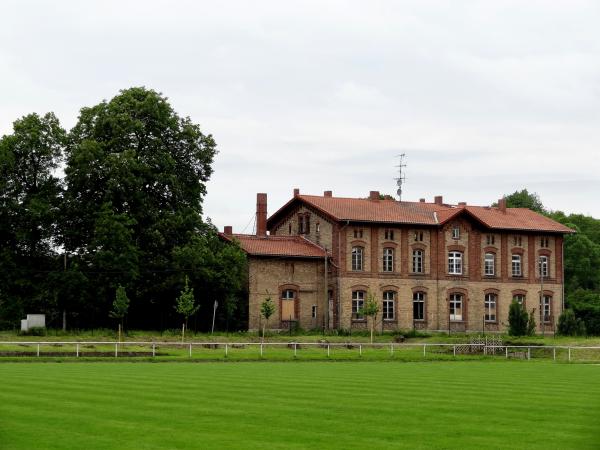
(430, 266)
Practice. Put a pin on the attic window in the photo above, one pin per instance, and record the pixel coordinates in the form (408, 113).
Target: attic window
(455, 232)
(389, 235)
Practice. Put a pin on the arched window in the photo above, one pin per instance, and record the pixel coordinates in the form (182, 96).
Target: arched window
(418, 306)
(357, 258)
(388, 259)
(358, 303)
(491, 307)
(456, 307)
(389, 305)
(455, 263)
(417, 261)
(489, 264)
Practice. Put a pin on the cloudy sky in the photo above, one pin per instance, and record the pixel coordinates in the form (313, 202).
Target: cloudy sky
(483, 97)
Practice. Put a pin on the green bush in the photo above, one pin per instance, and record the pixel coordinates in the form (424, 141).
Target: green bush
(518, 320)
(34, 331)
(569, 325)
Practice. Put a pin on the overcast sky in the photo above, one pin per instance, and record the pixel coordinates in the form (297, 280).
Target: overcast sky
(483, 97)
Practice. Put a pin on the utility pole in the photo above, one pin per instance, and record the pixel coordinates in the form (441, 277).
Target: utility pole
(64, 313)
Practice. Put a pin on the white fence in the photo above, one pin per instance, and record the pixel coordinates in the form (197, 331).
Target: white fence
(218, 350)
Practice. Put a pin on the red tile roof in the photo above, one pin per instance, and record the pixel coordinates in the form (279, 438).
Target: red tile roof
(292, 246)
(421, 213)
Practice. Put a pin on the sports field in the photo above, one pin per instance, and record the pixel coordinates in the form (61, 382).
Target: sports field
(469, 404)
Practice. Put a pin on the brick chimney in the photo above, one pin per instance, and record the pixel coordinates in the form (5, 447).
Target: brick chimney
(296, 192)
(462, 203)
(261, 214)
(327, 194)
(438, 200)
(228, 230)
(374, 195)
(422, 200)
(502, 205)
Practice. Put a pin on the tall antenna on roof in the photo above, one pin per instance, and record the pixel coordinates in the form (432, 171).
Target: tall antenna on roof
(401, 177)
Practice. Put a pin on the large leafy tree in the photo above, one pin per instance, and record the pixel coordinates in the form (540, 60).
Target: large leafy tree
(136, 176)
(29, 206)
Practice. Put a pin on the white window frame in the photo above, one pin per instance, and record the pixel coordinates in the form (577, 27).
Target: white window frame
(455, 263)
(519, 298)
(389, 305)
(418, 306)
(357, 261)
(546, 309)
(544, 266)
(388, 259)
(491, 304)
(456, 302)
(456, 232)
(517, 265)
(417, 261)
(489, 264)
(358, 304)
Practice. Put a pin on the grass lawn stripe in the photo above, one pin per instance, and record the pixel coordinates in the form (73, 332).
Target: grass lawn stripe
(304, 405)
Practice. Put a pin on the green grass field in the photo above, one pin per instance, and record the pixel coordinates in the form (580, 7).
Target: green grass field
(469, 404)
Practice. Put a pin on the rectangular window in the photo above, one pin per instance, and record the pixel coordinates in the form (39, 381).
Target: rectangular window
(417, 261)
(546, 309)
(456, 307)
(490, 239)
(418, 306)
(300, 223)
(456, 233)
(488, 264)
(543, 266)
(313, 312)
(389, 235)
(389, 305)
(491, 301)
(388, 259)
(358, 233)
(357, 258)
(516, 266)
(517, 241)
(455, 263)
(418, 236)
(358, 303)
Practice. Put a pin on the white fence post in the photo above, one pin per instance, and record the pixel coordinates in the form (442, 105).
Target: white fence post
(554, 353)
(153, 350)
(328, 350)
(225, 350)
(569, 354)
(190, 350)
(295, 349)
(392, 349)
(506, 350)
(261, 349)
(424, 347)
(360, 350)
(454, 350)
(116, 349)
(528, 352)
(38, 350)
(77, 350)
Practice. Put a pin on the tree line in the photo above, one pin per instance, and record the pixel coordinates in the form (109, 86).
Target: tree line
(114, 203)
(581, 263)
